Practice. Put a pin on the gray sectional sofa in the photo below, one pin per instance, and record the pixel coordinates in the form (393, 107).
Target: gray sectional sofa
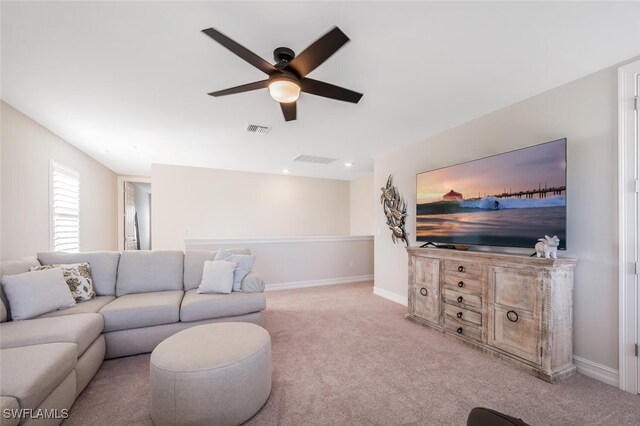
(143, 297)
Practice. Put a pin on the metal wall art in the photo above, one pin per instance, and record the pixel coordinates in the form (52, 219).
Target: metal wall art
(395, 209)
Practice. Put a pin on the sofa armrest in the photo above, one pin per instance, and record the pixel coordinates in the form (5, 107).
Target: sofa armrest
(9, 406)
(252, 283)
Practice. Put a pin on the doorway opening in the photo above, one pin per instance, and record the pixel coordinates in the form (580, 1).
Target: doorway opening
(134, 214)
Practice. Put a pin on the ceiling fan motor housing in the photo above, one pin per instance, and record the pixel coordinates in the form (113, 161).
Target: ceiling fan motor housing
(283, 54)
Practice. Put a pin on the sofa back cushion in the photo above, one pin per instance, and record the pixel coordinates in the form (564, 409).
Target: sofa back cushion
(104, 267)
(194, 264)
(145, 271)
(13, 267)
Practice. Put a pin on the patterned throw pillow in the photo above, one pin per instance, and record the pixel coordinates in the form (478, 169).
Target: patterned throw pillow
(78, 278)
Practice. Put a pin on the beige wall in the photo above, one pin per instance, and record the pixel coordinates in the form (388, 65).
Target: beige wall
(584, 111)
(361, 205)
(192, 202)
(27, 149)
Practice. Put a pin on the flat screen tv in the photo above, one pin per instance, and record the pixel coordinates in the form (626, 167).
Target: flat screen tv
(509, 199)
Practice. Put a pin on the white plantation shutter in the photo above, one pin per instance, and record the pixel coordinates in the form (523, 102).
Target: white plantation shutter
(65, 209)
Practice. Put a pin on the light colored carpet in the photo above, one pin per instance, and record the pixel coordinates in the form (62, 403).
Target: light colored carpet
(343, 356)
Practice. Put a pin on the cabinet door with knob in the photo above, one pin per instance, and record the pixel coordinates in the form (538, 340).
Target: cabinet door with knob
(515, 298)
(424, 293)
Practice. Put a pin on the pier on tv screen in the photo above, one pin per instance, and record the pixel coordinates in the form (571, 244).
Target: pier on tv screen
(509, 199)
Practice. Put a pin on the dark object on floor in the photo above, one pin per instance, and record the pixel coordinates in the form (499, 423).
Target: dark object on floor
(480, 416)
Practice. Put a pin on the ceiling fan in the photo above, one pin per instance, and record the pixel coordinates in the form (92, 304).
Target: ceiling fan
(288, 76)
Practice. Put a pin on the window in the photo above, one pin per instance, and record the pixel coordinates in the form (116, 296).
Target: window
(65, 208)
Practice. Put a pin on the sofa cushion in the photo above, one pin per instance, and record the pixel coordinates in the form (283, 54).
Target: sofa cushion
(142, 310)
(31, 373)
(12, 267)
(81, 329)
(104, 267)
(36, 293)
(149, 271)
(197, 306)
(91, 306)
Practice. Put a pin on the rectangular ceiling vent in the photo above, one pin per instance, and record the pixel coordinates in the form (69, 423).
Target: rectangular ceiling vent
(314, 159)
(259, 130)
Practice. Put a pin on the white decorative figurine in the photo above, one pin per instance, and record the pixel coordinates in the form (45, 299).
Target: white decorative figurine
(548, 246)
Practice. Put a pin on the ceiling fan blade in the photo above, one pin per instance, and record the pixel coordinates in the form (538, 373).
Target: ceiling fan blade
(320, 88)
(243, 88)
(240, 50)
(318, 52)
(289, 110)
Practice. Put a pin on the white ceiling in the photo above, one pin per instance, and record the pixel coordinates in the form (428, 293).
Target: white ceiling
(132, 78)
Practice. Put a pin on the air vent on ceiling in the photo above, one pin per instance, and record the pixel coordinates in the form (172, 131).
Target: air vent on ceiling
(313, 159)
(260, 130)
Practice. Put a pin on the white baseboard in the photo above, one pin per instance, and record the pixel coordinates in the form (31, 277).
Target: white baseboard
(596, 371)
(391, 296)
(316, 283)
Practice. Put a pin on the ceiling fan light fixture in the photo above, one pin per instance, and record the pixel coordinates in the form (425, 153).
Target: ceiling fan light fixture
(284, 90)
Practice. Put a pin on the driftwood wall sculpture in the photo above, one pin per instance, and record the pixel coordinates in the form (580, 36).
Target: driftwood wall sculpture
(395, 209)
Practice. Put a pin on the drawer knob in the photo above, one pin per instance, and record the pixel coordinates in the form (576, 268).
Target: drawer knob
(461, 284)
(460, 268)
(459, 314)
(460, 299)
(512, 316)
(459, 330)
(423, 291)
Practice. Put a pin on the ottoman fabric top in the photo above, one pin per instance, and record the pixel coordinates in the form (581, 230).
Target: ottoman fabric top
(210, 346)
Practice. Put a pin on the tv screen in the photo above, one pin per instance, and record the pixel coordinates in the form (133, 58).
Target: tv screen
(509, 199)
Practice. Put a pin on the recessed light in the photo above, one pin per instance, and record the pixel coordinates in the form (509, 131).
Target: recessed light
(285, 171)
(348, 164)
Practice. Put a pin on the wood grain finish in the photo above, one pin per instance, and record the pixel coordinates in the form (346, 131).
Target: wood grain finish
(463, 300)
(516, 308)
(463, 267)
(461, 313)
(424, 291)
(463, 329)
(464, 284)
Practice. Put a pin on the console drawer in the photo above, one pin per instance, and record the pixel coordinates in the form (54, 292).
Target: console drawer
(461, 313)
(462, 283)
(463, 268)
(462, 300)
(463, 328)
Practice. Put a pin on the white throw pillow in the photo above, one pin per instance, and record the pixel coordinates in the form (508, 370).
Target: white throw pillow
(217, 277)
(36, 293)
(245, 263)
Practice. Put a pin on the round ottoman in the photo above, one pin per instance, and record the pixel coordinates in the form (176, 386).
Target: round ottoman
(213, 374)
